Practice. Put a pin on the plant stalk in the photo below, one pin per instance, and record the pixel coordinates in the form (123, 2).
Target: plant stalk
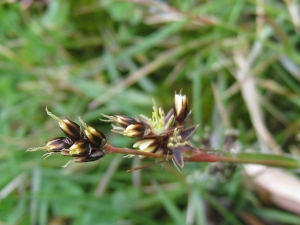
(200, 155)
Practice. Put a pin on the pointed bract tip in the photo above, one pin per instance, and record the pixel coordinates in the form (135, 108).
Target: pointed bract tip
(178, 158)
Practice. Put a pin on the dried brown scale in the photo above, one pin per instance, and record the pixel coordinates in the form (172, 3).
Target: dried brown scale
(57, 144)
(71, 129)
(127, 126)
(135, 130)
(79, 148)
(148, 144)
(95, 137)
(91, 157)
(125, 121)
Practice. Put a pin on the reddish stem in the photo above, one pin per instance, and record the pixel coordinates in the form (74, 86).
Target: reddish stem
(199, 157)
(112, 150)
(203, 157)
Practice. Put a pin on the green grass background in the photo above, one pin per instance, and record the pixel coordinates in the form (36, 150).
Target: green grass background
(87, 57)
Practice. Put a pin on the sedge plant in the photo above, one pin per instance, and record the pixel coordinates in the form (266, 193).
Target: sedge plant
(162, 137)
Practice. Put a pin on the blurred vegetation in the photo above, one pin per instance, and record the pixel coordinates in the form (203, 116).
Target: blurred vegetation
(87, 57)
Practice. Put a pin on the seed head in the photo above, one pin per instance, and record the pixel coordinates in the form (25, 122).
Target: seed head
(70, 128)
(95, 137)
(147, 145)
(124, 121)
(181, 108)
(79, 148)
(127, 126)
(92, 157)
(134, 130)
(120, 120)
(57, 144)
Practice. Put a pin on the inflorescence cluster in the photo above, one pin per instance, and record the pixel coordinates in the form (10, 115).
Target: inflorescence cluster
(162, 134)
